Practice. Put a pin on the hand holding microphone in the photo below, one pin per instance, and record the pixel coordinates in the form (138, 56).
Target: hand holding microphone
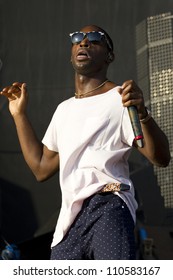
(131, 94)
(134, 118)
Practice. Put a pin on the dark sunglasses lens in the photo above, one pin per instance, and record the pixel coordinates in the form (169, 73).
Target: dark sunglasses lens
(94, 36)
(77, 38)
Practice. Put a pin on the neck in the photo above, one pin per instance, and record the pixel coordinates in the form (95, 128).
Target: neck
(86, 86)
(90, 92)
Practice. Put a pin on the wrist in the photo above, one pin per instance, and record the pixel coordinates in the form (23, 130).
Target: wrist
(17, 116)
(145, 118)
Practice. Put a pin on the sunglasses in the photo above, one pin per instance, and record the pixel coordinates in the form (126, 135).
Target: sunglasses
(92, 36)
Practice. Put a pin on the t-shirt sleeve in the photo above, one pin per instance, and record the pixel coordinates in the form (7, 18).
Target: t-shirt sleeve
(126, 128)
(50, 139)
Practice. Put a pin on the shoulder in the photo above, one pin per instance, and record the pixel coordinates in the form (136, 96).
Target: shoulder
(61, 106)
(114, 94)
(66, 102)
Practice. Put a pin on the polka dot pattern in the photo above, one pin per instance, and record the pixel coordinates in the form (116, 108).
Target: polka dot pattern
(103, 230)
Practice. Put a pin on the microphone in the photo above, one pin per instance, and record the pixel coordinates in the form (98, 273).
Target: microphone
(134, 118)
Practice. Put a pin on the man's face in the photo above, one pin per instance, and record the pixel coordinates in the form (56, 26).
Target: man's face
(88, 57)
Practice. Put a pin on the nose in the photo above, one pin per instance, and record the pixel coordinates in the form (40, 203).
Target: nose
(85, 43)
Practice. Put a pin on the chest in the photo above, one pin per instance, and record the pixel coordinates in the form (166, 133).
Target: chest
(84, 122)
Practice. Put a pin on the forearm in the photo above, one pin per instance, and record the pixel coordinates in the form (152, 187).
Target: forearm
(32, 148)
(156, 145)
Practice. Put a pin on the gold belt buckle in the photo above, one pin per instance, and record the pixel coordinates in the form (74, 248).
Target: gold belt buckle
(115, 187)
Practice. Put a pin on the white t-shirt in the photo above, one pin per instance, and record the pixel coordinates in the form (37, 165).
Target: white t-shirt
(93, 137)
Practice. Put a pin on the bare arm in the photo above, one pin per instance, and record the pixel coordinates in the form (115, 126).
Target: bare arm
(156, 146)
(43, 162)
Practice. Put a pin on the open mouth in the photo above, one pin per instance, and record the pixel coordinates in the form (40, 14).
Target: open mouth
(82, 55)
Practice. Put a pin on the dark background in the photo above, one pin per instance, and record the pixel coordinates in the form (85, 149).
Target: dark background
(35, 48)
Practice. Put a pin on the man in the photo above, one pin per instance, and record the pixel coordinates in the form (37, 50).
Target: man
(90, 137)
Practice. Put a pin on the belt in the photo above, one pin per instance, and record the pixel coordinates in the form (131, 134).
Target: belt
(115, 187)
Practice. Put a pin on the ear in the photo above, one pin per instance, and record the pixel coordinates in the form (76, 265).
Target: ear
(110, 57)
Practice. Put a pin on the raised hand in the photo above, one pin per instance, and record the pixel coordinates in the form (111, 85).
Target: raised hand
(17, 97)
(132, 95)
